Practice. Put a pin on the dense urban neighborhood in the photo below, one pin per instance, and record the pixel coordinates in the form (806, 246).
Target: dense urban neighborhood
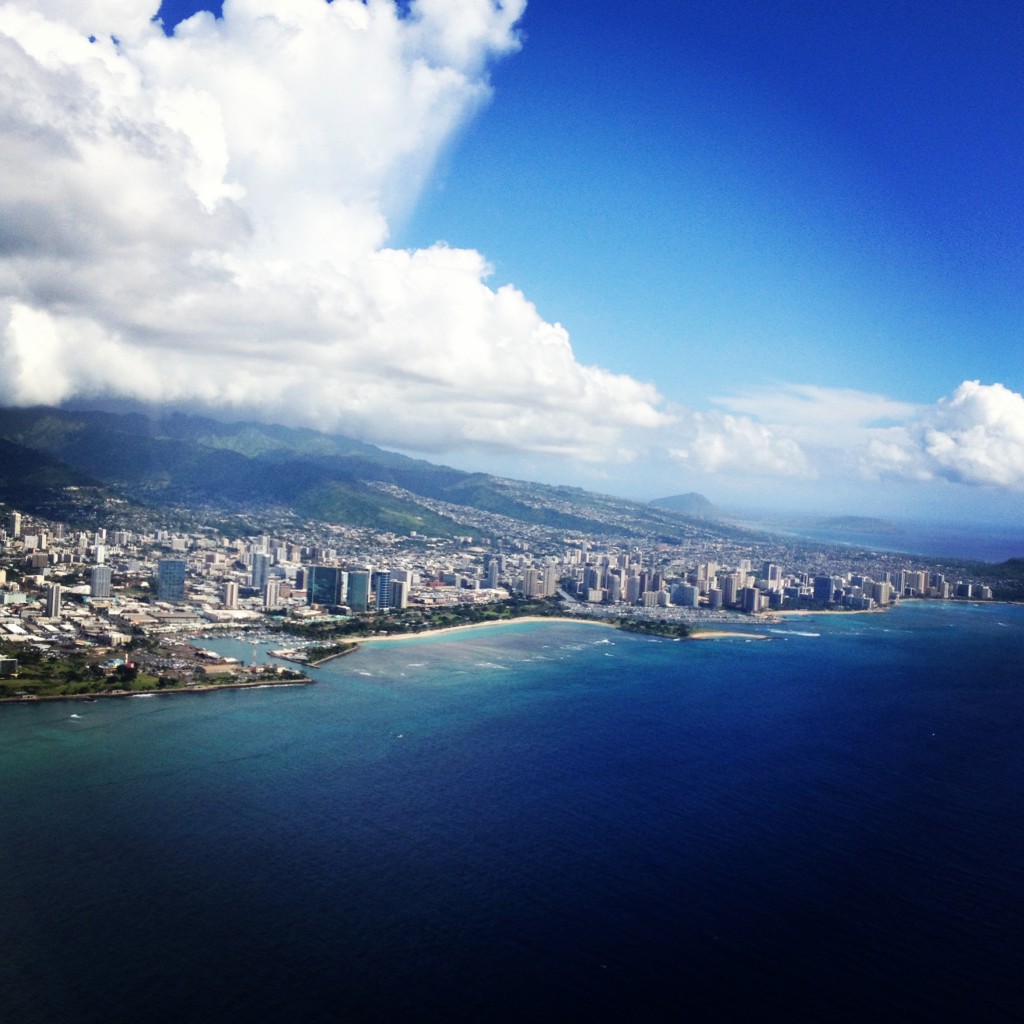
(115, 608)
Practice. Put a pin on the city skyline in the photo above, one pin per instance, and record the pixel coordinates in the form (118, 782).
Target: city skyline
(769, 253)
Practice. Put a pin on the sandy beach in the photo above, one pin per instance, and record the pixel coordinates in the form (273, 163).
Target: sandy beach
(725, 634)
(480, 625)
(703, 634)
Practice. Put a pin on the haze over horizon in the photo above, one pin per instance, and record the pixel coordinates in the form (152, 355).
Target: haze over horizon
(768, 252)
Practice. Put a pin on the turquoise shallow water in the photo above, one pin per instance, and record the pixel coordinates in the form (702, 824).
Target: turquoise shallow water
(533, 822)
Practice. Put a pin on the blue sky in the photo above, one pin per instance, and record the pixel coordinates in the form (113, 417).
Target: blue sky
(761, 250)
(722, 195)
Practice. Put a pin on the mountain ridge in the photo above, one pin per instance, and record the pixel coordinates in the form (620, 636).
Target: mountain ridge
(176, 459)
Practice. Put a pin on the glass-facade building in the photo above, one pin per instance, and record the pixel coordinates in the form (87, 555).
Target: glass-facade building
(170, 579)
(383, 590)
(358, 598)
(324, 584)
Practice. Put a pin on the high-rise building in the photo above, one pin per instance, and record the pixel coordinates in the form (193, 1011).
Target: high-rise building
(260, 569)
(229, 596)
(399, 594)
(824, 589)
(170, 579)
(14, 524)
(532, 583)
(358, 597)
(272, 595)
(324, 584)
(99, 581)
(550, 581)
(772, 576)
(53, 601)
(730, 588)
(383, 592)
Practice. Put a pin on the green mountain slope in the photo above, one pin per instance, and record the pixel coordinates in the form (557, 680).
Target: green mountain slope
(175, 460)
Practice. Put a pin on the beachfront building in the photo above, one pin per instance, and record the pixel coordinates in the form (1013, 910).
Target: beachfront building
(383, 591)
(358, 598)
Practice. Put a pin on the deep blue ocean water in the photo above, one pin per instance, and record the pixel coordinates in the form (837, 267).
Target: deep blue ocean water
(536, 822)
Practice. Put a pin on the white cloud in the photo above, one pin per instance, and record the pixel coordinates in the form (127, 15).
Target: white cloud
(974, 437)
(977, 436)
(721, 442)
(204, 218)
(816, 409)
(785, 430)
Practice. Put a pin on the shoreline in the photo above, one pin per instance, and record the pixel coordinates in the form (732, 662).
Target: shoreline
(330, 657)
(702, 634)
(791, 612)
(390, 638)
(357, 643)
(167, 691)
(725, 634)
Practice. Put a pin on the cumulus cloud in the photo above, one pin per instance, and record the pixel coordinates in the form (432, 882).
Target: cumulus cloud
(721, 442)
(205, 218)
(973, 437)
(977, 435)
(787, 430)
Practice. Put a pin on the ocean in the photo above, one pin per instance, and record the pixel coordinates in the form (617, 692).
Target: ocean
(533, 822)
(982, 542)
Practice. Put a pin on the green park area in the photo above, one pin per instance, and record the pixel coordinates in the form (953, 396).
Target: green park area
(45, 674)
